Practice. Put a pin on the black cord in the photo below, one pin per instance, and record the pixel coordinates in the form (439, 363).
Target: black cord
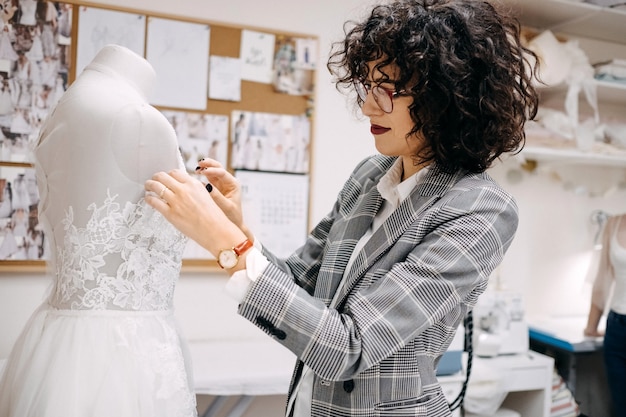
(468, 323)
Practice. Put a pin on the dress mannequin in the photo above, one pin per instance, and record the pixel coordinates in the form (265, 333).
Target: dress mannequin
(105, 342)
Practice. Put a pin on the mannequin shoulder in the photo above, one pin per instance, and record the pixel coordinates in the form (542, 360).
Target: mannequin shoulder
(138, 122)
(143, 142)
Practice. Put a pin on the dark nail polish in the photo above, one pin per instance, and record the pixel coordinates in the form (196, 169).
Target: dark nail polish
(198, 168)
(209, 187)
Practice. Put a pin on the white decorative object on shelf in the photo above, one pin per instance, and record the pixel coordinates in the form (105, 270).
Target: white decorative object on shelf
(595, 25)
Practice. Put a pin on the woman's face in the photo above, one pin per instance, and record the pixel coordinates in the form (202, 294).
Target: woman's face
(390, 130)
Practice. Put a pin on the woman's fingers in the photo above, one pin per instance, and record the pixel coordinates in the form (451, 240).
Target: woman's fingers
(209, 163)
(180, 175)
(165, 188)
(219, 177)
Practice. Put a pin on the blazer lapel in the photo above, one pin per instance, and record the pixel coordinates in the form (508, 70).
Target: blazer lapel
(421, 198)
(343, 239)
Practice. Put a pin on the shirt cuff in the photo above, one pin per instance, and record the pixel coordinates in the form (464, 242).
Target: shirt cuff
(239, 283)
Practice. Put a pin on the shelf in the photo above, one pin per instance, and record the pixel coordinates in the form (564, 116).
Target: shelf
(572, 17)
(612, 92)
(573, 156)
(608, 92)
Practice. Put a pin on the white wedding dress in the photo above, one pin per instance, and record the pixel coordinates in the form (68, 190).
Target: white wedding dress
(105, 342)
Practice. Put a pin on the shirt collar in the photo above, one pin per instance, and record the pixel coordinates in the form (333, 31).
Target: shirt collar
(394, 191)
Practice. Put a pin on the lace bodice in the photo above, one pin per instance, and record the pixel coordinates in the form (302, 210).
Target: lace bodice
(127, 257)
(107, 248)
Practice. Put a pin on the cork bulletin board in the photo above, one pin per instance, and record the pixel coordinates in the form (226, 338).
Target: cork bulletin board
(259, 125)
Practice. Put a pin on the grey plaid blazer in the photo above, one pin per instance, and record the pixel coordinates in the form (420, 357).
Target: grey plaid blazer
(374, 348)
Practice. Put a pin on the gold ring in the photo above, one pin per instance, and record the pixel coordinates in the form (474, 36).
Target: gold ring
(163, 191)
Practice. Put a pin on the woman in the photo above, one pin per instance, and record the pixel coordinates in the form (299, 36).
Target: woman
(373, 298)
(609, 289)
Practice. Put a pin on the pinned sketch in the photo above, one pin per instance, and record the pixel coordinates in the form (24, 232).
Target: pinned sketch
(294, 65)
(100, 27)
(256, 53)
(21, 234)
(35, 54)
(225, 78)
(306, 53)
(179, 53)
(270, 142)
(200, 135)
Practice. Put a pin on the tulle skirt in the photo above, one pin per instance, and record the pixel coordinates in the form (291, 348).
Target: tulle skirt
(69, 363)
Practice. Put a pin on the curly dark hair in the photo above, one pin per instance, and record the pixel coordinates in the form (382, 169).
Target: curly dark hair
(463, 63)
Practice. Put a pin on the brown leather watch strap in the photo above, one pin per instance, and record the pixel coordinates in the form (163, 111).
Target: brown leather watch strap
(241, 248)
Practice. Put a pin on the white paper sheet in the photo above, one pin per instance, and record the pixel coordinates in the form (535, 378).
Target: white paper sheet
(100, 27)
(225, 78)
(257, 56)
(179, 53)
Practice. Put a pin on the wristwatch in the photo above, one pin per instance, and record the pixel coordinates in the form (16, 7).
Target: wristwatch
(228, 258)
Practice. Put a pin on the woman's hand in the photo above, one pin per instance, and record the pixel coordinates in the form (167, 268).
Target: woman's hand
(226, 191)
(184, 202)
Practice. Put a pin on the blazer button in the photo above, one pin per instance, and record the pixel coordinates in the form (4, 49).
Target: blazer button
(348, 386)
(325, 383)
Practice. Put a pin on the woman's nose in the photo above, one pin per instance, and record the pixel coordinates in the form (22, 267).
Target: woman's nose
(370, 107)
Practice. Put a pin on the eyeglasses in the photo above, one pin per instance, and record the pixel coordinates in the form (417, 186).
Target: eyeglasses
(384, 97)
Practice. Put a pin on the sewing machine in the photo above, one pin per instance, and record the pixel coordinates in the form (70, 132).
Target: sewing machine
(499, 324)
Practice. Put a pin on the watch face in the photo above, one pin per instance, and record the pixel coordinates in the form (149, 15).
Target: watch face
(227, 258)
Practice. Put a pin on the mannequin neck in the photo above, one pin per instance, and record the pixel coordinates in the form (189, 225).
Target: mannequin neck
(123, 63)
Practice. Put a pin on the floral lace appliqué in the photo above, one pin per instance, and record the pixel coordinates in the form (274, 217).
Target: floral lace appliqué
(127, 257)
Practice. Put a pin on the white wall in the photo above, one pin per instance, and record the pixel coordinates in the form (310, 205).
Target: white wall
(550, 257)
(546, 261)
